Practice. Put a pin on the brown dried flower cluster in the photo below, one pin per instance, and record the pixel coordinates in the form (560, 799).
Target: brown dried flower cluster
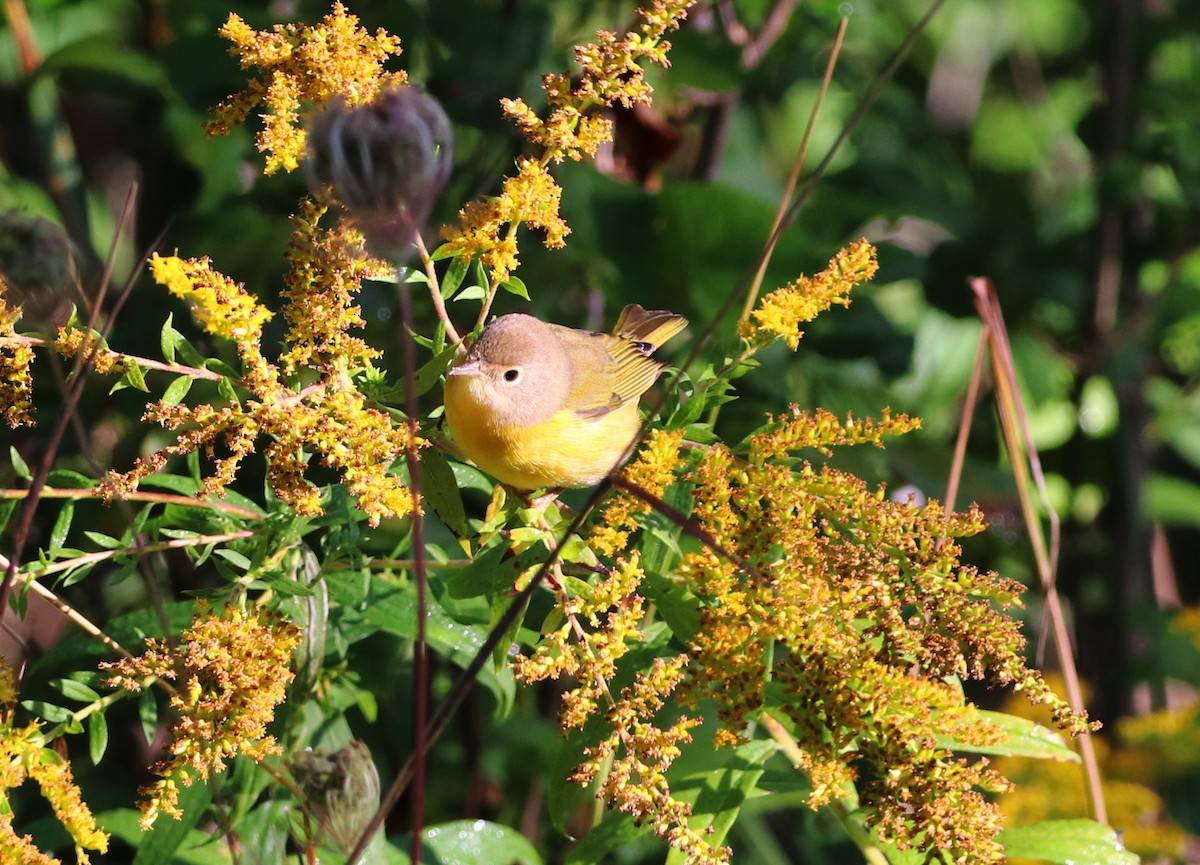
(231, 670)
(858, 608)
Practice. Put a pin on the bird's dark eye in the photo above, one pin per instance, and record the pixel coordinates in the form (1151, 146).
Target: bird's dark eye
(511, 375)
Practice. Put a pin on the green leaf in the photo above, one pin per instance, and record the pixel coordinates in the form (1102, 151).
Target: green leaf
(454, 277)
(613, 833)
(197, 848)
(66, 479)
(471, 292)
(18, 464)
(1172, 500)
(169, 339)
(177, 390)
(62, 525)
(74, 690)
(717, 781)
(1067, 842)
(52, 713)
(97, 727)
(148, 714)
(441, 491)
(394, 611)
(515, 285)
(1025, 739)
(480, 842)
(675, 603)
(494, 570)
(184, 486)
(134, 376)
(105, 542)
(7, 506)
(234, 558)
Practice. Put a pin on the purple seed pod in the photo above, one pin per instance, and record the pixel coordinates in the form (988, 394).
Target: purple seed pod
(386, 161)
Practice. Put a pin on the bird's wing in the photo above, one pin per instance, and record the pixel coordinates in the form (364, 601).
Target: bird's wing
(610, 371)
(648, 327)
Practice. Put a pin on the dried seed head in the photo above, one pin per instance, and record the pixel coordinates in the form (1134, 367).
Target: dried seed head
(341, 788)
(386, 162)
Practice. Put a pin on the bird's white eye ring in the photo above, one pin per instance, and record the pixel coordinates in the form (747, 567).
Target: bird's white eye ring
(512, 375)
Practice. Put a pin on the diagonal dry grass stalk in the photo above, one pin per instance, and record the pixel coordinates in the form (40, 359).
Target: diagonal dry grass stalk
(1031, 491)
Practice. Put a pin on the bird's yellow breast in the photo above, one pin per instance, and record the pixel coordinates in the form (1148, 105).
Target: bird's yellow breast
(563, 451)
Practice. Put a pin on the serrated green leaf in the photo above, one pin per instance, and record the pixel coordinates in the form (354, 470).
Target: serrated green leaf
(1067, 842)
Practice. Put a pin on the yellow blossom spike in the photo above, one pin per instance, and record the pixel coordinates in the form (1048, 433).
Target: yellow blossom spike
(302, 64)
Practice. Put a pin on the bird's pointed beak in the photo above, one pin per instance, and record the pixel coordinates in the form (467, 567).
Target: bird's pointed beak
(467, 367)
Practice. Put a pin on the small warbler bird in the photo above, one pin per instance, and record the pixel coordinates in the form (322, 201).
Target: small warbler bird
(541, 405)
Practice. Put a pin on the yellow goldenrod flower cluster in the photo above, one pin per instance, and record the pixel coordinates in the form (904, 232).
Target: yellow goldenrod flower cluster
(532, 196)
(71, 341)
(16, 386)
(231, 671)
(223, 307)
(325, 274)
(24, 756)
(610, 74)
(857, 607)
(329, 418)
(302, 64)
(781, 313)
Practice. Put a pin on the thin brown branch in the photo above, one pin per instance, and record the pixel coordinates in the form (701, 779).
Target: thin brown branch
(138, 496)
(118, 357)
